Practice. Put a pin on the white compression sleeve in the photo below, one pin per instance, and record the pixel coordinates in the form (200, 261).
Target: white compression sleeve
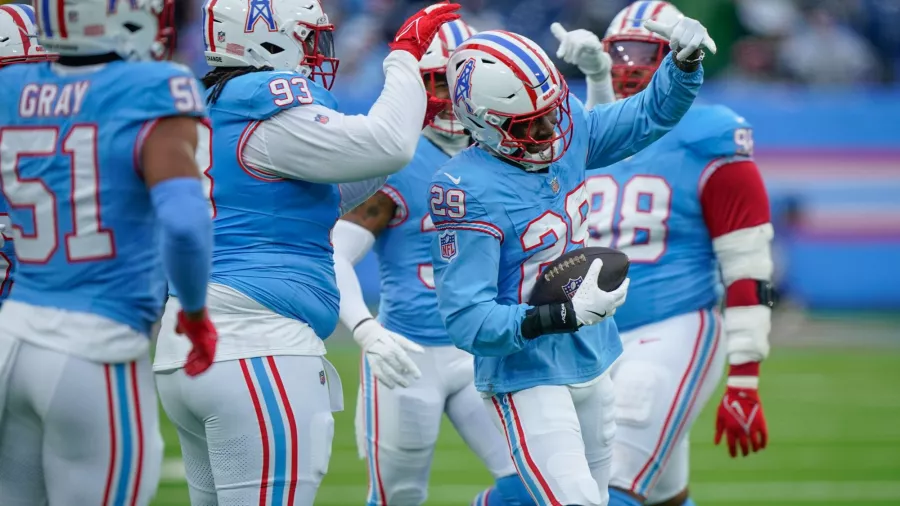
(351, 243)
(599, 90)
(316, 144)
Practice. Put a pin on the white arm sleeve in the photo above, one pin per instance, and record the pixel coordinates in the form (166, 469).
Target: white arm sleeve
(351, 243)
(317, 144)
(354, 194)
(746, 254)
(599, 90)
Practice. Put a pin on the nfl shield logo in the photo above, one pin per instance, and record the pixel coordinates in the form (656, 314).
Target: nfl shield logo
(448, 245)
(572, 286)
(322, 377)
(321, 119)
(221, 37)
(554, 185)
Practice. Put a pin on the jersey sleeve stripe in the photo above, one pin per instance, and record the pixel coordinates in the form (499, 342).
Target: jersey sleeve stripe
(402, 209)
(142, 136)
(475, 226)
(715, 165)
(253, 172)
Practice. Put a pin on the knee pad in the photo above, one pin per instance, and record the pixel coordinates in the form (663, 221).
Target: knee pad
(636, 387)
(512, 491)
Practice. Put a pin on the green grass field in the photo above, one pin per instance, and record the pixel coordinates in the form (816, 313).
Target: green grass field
(834, 426)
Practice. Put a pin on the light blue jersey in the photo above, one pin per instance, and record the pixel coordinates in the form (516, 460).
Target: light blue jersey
(499, 226)
(7, 255)
(272, 234)
(408, 302)
(84, 226)
(648, 206)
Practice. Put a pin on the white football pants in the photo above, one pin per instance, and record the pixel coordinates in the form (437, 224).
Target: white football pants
(665, 376)
(76, 432)
(560, 438)
(397, 430)
(255, 430)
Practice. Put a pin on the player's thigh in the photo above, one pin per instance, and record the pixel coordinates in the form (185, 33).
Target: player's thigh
(674, 477)
(665, 376)
(101, 431)
(401, 428)
(191, 437)
(595, 406)
(21, 430)
(543, 433)
(467, 412)
(258, 414)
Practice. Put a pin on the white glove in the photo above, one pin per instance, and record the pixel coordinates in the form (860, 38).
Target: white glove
(592, 304)
(684, 36)
(388, 354)
(581, 48)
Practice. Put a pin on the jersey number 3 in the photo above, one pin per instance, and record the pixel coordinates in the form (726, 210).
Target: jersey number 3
(88, 240)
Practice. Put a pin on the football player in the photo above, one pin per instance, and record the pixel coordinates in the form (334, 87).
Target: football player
(97, 169)
(398, 432)
(20, 45)
(514, 203)
(285, 166)
(690, 206)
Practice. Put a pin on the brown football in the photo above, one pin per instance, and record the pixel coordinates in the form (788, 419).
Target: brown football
(561, 279)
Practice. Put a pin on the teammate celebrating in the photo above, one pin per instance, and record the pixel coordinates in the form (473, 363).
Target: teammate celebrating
(19, 32)
(398, 433)
(686, 207)
(515, 203)
(259, 426)
(96, 163)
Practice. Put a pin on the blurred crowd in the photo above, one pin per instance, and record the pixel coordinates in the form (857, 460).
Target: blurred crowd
(812, 42)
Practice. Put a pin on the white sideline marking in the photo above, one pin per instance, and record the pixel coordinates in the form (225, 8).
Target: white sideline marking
(723, 492)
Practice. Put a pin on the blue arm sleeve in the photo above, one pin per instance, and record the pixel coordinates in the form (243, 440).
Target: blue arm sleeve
(186, 238)
(466, 282)
(623, 128)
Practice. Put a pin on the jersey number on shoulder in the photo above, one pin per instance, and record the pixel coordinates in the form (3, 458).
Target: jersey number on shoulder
(88, 240)
(286, 92)
(551, 234)
(642, 214)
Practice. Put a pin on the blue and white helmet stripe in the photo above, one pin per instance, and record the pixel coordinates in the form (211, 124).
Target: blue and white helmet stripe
(527, 59)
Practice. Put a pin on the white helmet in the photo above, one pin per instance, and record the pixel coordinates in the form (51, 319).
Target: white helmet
(18, 36)
(282, 34)
(133, 29)
(434, 70)
(504, 90)
(636, 51)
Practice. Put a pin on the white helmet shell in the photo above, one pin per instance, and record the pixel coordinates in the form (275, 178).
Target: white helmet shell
(283, 34)
(18, 36)
(629, 22)
(500, 80)
(434, 63)
(133, 29)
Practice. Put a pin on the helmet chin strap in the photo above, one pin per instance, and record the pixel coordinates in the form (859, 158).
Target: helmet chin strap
(449, 143)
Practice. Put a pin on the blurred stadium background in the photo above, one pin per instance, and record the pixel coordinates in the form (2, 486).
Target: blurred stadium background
(820, 82)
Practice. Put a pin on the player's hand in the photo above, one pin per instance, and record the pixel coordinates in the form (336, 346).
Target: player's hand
(419, 30)
(433, 108)
(592, 304)
(685, 36)
(583, 49)
(740, 418)
(203, 337)
(388, 354)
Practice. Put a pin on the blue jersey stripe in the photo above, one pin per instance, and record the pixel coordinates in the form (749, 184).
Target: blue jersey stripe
(45, 18)
(279, 436)
(529, 61)
(639, 16)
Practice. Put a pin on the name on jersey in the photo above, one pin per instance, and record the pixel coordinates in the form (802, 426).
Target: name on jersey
(52, 100)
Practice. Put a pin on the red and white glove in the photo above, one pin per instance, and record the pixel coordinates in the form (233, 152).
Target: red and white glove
(433, 108)
(420, 29)
(740, 418)
(204, 338)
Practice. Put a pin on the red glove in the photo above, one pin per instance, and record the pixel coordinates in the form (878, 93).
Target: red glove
(433, 108)
(204, 338)
(740, 414)
(419, 30)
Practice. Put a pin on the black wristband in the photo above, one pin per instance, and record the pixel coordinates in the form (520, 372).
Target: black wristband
(692, 63)
(549, 319)
(364, 320)
(766, 293)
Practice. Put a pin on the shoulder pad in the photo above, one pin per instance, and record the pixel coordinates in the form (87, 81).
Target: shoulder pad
(156, 90)
(716, 131)
(260, 95)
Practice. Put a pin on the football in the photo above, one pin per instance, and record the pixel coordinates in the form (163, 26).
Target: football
(561, 279)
